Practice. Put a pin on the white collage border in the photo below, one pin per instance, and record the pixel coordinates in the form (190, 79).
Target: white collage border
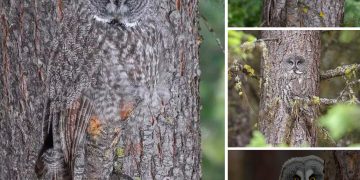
(226, 89)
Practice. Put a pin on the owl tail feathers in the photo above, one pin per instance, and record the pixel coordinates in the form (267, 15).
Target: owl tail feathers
(48, 144)
(49, 164)
(73, 123)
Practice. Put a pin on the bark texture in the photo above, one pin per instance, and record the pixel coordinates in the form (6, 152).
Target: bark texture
(164, 142)
(159, 139)
(303, 13)
(282, 118)
(344, 165)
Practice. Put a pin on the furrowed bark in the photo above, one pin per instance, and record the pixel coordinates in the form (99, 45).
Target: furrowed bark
(165, 143)
(282, 118)
(154, 143)
(303, 13)
(25, 36)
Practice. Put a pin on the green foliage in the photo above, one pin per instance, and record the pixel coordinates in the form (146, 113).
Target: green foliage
(212, 95)
(341, 119)
(352, 15)
(257, 140)
(347, 36)
(235, 40)
(244, 13)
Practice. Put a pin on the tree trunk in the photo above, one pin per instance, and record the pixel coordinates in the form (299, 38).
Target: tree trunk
(165, 144)
(159, 140)
(303, 13)
(24, 40)
(283, 116)
(344, 165)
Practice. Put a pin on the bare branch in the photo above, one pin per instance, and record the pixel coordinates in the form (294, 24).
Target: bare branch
(339, 71)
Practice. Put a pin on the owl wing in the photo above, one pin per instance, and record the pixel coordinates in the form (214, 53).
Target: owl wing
(73, 122)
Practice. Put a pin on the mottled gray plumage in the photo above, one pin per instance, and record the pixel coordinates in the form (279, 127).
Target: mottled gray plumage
(95, 76)
(67, 113)
(303, 168)
(295, 68)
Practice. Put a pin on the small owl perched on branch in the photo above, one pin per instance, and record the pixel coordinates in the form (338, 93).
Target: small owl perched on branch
(126, 13)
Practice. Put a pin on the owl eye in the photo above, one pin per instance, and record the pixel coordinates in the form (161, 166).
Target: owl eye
(300, 61)
(296, 177)
(312, 178)
(290, 62)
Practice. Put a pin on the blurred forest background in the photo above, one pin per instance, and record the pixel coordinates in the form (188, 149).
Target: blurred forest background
(212, 84)
(247, 13)
(341, 122)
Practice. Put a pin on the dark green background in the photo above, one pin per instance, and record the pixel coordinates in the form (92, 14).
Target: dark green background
(212, 93)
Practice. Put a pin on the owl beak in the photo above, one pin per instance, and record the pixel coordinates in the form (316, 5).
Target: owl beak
(297, 72)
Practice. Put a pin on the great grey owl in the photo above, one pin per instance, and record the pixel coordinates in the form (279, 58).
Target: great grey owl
(295, 64)
(95, 78)
(126, 13)
(303, 168)
(295, 74)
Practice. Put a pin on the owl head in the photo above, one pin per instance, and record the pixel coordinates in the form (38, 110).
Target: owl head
(303, 168)
(295, 64)
(108, 8)
(125, 13)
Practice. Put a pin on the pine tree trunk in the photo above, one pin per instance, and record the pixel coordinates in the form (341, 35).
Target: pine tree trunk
(282, 117)
(166, 144)
(342, 165)
(153, 144)
(303, 13)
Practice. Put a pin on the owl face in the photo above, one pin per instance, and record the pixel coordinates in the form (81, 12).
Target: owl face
(295, 64)
(303, 168)
(126, 13)
(109, 9)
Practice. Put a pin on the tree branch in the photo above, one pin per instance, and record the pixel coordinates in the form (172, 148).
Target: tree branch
(339, 71)
(323, 101)
(237, 67)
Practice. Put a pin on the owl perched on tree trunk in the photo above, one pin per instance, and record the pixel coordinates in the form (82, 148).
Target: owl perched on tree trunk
(126, 13)
(295, 73)
(95, 81)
